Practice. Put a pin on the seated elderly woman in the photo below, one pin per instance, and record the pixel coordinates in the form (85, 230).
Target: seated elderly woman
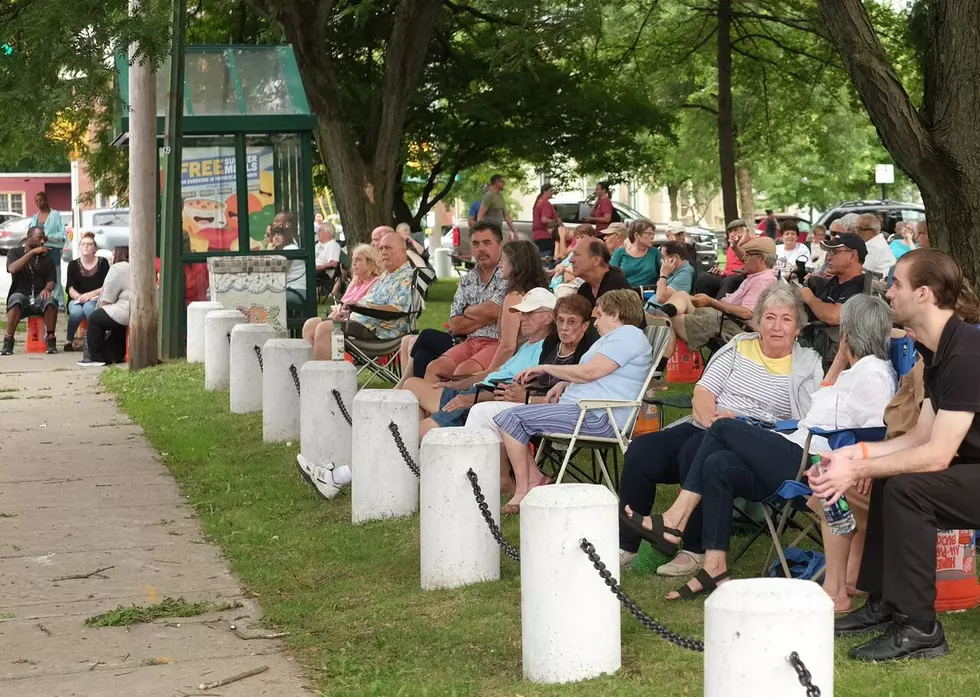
(765, 376)
(737, 458)
(616, 367)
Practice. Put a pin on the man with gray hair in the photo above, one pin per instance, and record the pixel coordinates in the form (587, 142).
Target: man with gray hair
(327, 251)
(880, 257)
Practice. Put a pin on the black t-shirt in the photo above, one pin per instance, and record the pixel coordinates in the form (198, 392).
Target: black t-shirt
(952, 381)
(33, 277)
(838, 293)
(614, 279)
(86, 283)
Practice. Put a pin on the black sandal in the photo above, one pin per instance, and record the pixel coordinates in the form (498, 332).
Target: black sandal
(708, 584)
(655, 536)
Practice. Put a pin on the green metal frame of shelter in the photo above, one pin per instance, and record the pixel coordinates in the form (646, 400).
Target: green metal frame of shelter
(237, 97)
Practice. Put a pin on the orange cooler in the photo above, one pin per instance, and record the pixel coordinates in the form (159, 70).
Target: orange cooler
(685, 365)
(956, 571)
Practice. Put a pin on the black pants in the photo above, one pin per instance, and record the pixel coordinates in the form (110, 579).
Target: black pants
(545, 247)
(899, 562)
(429, 346)
(106, 338)
(737, 459)
(719, 286)
(658, 458)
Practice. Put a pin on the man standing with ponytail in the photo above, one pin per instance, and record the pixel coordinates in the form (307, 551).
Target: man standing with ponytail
(925, 480)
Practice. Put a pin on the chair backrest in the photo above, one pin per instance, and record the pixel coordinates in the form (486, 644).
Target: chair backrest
(658, 335)
(902, 355)
(420, 289)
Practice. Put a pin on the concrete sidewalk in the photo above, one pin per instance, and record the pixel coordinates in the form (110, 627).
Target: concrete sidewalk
(81, 489)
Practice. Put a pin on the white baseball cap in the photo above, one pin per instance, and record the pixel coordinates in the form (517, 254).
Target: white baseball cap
(536, 299)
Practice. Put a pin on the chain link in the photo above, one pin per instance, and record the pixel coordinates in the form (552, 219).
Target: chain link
(481, 501)
(806, 680)
(632, 607)
(295, 374)
(343, 409)
(409, 462)
(228, 336)
(258, 355)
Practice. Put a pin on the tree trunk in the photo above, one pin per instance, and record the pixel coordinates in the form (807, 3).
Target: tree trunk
(673, 190)
(143, 184)
(726, 121)
(362, 171)
(936, 147)
(746, 195)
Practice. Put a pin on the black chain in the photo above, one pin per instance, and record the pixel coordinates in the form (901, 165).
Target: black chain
(481, 501)
(633, 608)
(295, 374)
(409, 462)
(228, 336)
(258, 355)
(806, 680)
(343, 409)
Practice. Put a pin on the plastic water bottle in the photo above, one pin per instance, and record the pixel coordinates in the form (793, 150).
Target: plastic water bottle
(840, 520)
(337, 343)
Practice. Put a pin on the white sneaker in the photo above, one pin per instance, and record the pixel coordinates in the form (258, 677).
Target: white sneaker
(91, 364)
(683, 564)
(305, 468)
(626, 559)
(324, 482)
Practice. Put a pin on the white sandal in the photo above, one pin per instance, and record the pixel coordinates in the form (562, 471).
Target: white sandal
(684, 563)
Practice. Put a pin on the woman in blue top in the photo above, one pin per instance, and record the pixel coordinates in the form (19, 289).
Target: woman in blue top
(616, 367)
(640, 259)
(54, 231)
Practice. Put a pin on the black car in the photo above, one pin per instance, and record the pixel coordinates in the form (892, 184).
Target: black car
(890, 212)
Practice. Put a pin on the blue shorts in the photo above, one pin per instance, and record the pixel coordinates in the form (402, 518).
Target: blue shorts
(451, 418)
(35, 309)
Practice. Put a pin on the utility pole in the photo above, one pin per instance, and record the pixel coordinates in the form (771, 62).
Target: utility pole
(142, 208)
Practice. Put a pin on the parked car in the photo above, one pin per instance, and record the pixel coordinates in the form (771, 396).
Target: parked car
(13, 233)
(110, 225)
(890, 212)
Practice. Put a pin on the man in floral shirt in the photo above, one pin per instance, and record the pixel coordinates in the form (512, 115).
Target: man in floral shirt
(392, 291)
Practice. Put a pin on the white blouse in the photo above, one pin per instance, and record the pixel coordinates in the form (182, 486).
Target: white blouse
(857, 400)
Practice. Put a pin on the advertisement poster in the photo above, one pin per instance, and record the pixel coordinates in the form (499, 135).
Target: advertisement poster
(211, 208)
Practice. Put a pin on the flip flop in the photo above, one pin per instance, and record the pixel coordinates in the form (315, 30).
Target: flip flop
(656, 536)
(708, 584)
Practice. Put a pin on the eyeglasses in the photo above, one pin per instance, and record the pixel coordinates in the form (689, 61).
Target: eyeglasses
(866, 229)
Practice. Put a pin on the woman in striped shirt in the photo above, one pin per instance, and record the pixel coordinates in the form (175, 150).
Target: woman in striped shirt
(737, 458)
(765, 376)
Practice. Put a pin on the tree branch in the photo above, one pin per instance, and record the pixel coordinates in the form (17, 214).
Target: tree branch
(628, 53)
(456, 9)
(702, 107)
(800, 23)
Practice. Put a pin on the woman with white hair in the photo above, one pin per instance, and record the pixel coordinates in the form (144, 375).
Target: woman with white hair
(737, 458)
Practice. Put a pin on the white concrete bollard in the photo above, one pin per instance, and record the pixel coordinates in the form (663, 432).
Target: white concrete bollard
(570, 621)
(383, 486)
(245, 372)
(283, 359)
(217, 347)
(197, 312)
(325, 435)
(457, 547)
(751, 627)
(442, 262)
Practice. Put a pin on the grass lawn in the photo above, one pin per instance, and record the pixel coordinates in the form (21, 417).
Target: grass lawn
(349, 596)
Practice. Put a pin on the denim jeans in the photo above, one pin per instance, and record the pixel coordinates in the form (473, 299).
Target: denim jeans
(737, 459)
(77, 312)
(663, 457)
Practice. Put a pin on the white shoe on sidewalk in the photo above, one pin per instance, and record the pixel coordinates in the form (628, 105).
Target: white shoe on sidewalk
(683, 564)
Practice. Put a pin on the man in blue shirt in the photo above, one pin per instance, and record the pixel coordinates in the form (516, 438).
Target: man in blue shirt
(676, 272)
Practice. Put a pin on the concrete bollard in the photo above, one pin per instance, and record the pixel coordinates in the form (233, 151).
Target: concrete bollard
(442, 263)
(383, 486)
(283, 359)
(197, 312)
(751, 626)
(570, 621)
(217, 347)
(325, 435)
(245, 372)
(457, 547)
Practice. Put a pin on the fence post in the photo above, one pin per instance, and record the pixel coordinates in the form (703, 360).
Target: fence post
(217, 354)
(325, 434)
(245, 372)
(283, 359)
(197, 312)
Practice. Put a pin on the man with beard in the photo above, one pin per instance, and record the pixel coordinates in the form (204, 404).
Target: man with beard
(925, 480)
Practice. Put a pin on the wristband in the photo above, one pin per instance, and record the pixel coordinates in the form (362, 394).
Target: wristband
(864, 450)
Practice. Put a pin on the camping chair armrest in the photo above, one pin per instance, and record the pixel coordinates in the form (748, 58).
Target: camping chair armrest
(681, 401)
(376, 313)
(839, 438)
(590, 404)
(488, 387)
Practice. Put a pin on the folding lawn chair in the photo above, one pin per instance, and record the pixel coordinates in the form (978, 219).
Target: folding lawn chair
(573, 443)
(380, 356)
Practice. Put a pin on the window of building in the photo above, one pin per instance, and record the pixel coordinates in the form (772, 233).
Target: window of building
(12, 201)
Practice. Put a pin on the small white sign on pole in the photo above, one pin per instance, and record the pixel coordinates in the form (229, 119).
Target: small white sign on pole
(884, 174)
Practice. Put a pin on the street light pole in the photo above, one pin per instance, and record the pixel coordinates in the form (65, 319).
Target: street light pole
(171, 237)
(142, 208)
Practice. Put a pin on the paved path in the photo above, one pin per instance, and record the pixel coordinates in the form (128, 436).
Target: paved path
(81, 489)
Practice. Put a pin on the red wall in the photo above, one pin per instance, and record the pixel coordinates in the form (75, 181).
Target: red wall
(58, 189)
